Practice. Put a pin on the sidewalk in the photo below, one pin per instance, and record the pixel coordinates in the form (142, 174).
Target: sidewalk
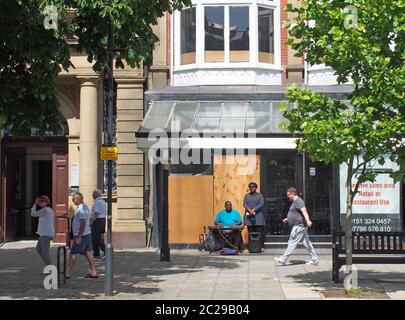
(191, 274)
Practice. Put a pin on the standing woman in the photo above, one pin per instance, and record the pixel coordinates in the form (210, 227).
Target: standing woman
(253, 203)
(46, 229)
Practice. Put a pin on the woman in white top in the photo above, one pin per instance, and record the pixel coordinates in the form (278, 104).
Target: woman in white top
(46, 229)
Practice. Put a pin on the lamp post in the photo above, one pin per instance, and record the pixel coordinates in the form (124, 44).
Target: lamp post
(164, 213)
(108, 290)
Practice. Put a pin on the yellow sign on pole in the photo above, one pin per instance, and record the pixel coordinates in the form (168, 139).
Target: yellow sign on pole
(109, 153)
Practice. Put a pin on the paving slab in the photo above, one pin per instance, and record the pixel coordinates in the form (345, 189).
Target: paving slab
(190, 275)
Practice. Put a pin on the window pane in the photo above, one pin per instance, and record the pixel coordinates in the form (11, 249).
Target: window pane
(161, 109)
(209, 109)
(318, 197)
(234, 110)
(201, 124)
(261, 125)
(183, 115)
(258, 109)
(188, 26)
(214, 34)
(151, 123)
(239, 34)
(266, 35)
(275, 109)
(232, 123)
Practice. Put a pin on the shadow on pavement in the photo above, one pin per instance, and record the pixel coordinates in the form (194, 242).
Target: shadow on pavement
(137, 273)
(389, 281)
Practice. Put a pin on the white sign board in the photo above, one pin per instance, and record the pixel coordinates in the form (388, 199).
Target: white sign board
(74, 175)
(376, 207)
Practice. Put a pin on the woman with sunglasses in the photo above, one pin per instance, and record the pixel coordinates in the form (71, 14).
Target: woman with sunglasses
(253, 203)
(46, 229)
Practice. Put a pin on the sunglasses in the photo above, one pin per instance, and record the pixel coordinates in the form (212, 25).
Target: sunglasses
(251, 187)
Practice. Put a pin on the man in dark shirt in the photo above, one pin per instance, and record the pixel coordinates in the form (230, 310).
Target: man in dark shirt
(298, 219)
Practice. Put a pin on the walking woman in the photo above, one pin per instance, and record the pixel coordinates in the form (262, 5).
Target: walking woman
(46, 229)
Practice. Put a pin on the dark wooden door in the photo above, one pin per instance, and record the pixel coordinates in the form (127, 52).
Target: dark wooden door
(14, 195)
(60, 193)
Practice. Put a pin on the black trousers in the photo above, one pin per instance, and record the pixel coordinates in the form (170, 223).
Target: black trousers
(97, 230)
(261, 229)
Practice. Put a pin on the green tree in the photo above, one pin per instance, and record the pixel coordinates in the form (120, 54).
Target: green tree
(363, 41)
(31, 56)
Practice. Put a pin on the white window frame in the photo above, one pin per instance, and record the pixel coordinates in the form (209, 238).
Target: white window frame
(253, 36)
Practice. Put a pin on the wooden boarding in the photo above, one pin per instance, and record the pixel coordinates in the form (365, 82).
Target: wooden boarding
(190, 207)
(239, 56)
(214, 56)
(187, 58)
(266, 57)
(230, 184)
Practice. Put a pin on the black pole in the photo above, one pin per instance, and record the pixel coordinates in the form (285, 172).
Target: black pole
(164, 213)
(110, 95)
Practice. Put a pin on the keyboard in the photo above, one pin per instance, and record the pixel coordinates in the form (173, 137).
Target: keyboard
(233, 227)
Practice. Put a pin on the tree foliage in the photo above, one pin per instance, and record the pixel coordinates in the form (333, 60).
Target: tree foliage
(31, 56)
(363, 41)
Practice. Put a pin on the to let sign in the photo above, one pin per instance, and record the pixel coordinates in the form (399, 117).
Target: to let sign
(109, 153)
(376, 207)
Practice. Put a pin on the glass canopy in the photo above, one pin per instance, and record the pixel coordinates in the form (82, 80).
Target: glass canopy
(217, 116)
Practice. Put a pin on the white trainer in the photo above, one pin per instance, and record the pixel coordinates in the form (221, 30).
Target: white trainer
(312, 263)
(281, 261)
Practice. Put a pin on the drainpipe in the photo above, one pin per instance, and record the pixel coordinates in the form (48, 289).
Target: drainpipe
(146, 190)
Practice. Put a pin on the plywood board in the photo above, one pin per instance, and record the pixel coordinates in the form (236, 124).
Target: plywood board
(239, 56)
(232, 175)
(187, 58)
(214, 56)
(190, 207)
(266, 57)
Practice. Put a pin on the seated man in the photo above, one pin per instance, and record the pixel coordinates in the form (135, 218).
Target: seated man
(229, 238)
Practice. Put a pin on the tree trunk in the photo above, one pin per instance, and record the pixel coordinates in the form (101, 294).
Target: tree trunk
(349, 238)
(349, 226)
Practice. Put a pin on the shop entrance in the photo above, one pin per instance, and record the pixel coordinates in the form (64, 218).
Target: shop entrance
(281, 169)
(41, 184)
(30, 169)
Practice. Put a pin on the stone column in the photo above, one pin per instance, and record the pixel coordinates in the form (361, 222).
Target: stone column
(89, 147)
(128, 224)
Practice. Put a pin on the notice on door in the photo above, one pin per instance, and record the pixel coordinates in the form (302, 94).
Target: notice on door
(74, 175)
(376, 207)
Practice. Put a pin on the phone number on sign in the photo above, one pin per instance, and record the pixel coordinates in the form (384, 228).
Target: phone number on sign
(371, 221)
(371, 228)
(372, 224)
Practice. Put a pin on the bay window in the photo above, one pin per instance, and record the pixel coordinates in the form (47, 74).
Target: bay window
(188, 36)
(266, 35)
(235, 41)
(214, 24)
(238, 34)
